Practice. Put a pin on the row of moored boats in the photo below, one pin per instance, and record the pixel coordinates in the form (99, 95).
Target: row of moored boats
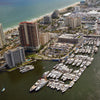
(62, 72)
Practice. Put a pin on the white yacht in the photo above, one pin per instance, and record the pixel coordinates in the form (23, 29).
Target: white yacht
(42, 82)
(45, 73)
(77, 51)
(88, 63)
(71, 60)
(79, 62)
(84, 62)
(95, 49)
(71, 84)
(75, 62)
(26, 68)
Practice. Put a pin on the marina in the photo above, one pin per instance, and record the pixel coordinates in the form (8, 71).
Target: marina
(87, 84)
(51, 57)
(61, 73)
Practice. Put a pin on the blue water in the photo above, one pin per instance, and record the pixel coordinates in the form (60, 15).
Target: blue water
(14, 11)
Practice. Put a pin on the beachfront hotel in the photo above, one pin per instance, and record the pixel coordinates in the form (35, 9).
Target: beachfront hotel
(29, 36)
(14, 57)
(2, 37)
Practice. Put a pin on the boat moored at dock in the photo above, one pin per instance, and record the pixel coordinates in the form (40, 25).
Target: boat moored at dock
(26, 68)
(39, 84)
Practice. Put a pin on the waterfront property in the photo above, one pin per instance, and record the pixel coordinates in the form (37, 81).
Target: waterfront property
(55, 14)
(70, 38)
(14, 57)
(62, 77)
(76, 53)
(58, 50)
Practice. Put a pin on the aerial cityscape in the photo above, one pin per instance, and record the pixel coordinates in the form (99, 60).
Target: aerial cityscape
(52, 55)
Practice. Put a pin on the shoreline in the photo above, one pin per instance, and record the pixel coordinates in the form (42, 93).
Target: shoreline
(14, 28)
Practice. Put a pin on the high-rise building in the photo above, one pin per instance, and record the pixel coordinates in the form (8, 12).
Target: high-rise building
(44, 38)
(29, 35)
(72, 21)
(2, 37)
(55, 14)
(14, 57)
(47, 20)
(77, 9)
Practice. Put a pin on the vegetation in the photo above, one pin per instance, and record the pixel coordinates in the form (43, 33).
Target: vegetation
(12, 69)
(43, 26)
(70, 9)
(31, 56)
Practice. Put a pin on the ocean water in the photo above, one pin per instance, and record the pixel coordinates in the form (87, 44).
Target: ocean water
(14, 11)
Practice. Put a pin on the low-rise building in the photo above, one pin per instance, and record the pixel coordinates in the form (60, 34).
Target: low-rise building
(70, 38)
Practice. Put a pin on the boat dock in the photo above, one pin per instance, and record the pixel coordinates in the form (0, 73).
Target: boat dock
(65, 74)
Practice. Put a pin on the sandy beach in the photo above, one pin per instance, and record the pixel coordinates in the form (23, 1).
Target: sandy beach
(72, 5)
(13, 29)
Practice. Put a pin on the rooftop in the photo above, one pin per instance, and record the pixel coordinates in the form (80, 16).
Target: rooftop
(69, 36)
(67, 14)
(12, 50)
(26, 22)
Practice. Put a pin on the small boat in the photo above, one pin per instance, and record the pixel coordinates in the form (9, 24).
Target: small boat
(95, 49)
(71, 84)
(3, 90)
(88, 63)
(46, 73)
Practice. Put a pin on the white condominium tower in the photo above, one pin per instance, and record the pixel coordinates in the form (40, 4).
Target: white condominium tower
(15, 56)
